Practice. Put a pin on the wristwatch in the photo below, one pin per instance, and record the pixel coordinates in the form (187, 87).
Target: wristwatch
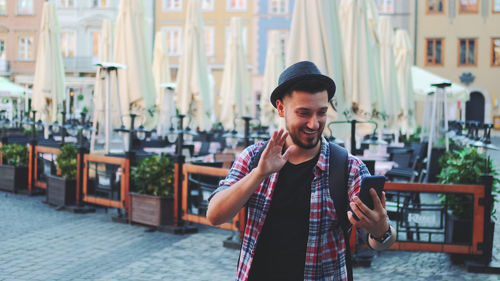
(384, 238)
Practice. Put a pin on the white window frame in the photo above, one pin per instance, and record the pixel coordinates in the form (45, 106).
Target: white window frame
(5, 7)
(210, 44)
(171, 5)
(236, 9)
(207, 5)
(19, 12)
(99, 3)
(70, 46)
(495, 6)
(64, 3)
(387, 7)
(244, 34)
(24, 54)
(283, 7)
(170, 31)
(3, 53)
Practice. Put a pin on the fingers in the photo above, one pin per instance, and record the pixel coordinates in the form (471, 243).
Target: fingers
(289, 151)
(357, 210)
(377, 204)
(383, 199)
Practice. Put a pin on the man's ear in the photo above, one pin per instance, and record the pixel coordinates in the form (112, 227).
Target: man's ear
(280, 106)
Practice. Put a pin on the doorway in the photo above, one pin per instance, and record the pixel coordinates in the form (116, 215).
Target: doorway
(474, 107)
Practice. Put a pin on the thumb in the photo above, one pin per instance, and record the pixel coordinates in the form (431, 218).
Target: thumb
(289, 151)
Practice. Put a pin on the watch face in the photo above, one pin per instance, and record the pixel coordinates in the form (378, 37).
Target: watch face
(385, 237)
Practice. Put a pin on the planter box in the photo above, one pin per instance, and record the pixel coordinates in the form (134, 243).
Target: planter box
(61, 191)
(13, 178)
(151, 210)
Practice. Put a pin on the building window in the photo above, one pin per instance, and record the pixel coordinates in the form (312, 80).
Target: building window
(67, 3)
(467, 51)
(434, 51)
(99, 3)
(435, 6)
(207, 5)
(2, 50)
(236, 5)
(68, 40)
(244, 32)
(278, 7)
(495, 6)
(25, 7)
(95, 44)
(172, 5)
(209, 40)
(387, 7)
(468, 6)
(25, 48)
(174, 40)
(495, 51)
(3, 7)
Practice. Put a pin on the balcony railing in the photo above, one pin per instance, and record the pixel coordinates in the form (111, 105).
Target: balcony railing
(80, 64)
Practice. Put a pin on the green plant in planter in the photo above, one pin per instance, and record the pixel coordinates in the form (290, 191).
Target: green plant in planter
(66, 161)
(465, 166)
(154, 176)
(15, 154)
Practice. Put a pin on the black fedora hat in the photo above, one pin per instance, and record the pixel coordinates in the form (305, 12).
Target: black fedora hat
(303, 70)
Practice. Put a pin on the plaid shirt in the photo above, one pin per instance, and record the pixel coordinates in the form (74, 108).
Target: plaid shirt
(325, 254)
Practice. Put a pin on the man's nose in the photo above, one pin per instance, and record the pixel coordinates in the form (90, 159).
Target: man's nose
(313, 123)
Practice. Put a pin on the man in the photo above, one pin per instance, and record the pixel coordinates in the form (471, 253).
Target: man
(292, 230)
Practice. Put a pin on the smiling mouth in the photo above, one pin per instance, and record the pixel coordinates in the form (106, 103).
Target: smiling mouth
(310, 133)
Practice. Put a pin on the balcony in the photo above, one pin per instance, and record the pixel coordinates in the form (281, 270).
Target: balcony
(80, 64)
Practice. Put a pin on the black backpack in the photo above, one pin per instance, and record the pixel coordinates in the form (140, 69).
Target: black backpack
(338, 174)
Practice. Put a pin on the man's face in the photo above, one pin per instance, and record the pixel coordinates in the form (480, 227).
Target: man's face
(305, 116)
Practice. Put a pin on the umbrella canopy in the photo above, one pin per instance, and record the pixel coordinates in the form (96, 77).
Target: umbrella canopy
(403, 53)
(390, 89)
(423, 79)
(362, 56)
(194, 94)
(136, 84)
(161, 73)
(315, 36)
(48, 81)
(235, 89)
(274, 66)
(11, 89)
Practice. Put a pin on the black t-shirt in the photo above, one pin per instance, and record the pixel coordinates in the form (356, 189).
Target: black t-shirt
(282, 243)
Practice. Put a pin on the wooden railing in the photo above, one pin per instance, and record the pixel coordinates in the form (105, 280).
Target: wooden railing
(238, 222)
(124, 164)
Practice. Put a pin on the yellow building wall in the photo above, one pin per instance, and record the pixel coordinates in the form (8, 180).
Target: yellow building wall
(487, 79)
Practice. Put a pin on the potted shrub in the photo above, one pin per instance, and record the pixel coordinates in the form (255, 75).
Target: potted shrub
(463, 166)
(61, 190)
(14, 167)
(152, 201)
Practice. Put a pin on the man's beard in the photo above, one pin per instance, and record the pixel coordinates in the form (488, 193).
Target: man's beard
(303, 145)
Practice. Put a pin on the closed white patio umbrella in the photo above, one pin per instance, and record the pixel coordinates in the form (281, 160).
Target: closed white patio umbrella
(388, 74)
(194, 94)
(403, 52)
(48, 81)
(235, 89)
(315, 36)
(136, 83)
(274, 66)
(161, 73)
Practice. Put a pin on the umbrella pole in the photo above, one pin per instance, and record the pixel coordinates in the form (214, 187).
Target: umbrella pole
(431, 134)
(445, 101)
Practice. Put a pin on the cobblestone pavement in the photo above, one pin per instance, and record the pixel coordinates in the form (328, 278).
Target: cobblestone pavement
(39, 243)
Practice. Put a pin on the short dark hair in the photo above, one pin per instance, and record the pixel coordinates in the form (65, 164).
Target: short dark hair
(307, 85)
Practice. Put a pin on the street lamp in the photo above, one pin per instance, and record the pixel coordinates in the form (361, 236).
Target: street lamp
(373, 141)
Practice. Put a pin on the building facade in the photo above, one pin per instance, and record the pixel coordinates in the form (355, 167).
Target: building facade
(460, 40)
(19, 30)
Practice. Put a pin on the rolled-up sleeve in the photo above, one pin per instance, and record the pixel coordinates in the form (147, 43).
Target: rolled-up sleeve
(239, 169)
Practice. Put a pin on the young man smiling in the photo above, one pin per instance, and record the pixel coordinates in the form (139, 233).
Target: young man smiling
(292, 230)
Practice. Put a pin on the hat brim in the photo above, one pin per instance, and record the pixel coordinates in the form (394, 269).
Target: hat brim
(283, 87)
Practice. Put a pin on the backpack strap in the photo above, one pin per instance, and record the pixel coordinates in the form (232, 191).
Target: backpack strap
(338, 175)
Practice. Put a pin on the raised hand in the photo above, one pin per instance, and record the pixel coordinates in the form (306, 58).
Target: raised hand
(272, 160)
(374, 221)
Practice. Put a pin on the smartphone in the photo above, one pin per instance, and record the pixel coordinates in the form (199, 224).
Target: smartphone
(375, 182)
